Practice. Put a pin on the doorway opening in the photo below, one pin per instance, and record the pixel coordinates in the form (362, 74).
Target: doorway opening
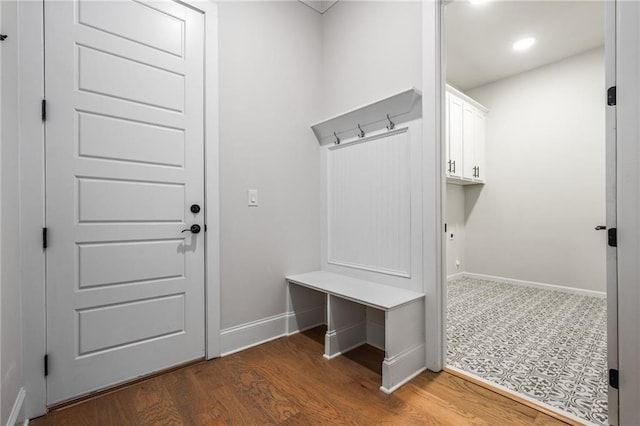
(526, 201)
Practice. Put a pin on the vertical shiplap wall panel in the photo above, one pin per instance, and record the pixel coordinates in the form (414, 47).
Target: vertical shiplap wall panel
(369, 204)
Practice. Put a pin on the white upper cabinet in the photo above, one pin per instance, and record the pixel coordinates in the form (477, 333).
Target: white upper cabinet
(468, 139)
(465, 125)
(479, 132)
(454, 136)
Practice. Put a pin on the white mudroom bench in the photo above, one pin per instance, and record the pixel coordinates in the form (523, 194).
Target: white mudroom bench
(345, 313)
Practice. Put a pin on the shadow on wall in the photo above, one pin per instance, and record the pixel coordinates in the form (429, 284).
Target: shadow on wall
(471, 195)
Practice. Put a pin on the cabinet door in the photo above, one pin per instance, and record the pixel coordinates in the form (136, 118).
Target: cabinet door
(468, 136)
(454, 122)
(447, 119)
(479, 148)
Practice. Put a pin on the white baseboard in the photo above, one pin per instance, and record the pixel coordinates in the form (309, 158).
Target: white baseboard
(338, 342)
(245, 336)
(304, 320)
(17, 407)
(456, 275)
(544, 286)
(402, 368)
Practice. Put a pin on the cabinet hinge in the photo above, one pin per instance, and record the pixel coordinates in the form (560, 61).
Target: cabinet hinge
(611, 96)
(46, 365)
(612, 237)
(45, 238)
(44, 110)
(613, 378)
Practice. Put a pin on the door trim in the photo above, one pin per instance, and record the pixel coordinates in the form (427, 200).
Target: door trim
(32, 191)
(433, 184)
(628, 208)
(611, 173)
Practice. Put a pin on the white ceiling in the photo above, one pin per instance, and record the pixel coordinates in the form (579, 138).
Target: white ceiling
(478, 38)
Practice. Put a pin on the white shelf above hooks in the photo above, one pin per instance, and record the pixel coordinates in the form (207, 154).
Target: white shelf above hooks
(400, 108)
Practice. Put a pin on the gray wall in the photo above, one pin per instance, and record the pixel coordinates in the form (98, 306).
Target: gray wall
(269, 89)
(534, 219)
(455, 225)
(370, 50)
(284, 67)
(10, 279)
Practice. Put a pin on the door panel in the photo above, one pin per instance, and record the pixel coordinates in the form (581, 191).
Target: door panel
(136, 142)
(126, 262)
(124, 161)
(136, 22)
(109, 327)
(101, 200)
(125, 78)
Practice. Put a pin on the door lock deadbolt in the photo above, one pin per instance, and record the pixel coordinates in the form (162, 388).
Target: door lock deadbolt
(195, 208)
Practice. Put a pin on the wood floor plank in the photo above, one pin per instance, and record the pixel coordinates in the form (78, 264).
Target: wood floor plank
(476, 400)
(81, 414)
(287, 381)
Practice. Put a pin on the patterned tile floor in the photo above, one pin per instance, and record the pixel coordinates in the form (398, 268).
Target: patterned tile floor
(547, 345)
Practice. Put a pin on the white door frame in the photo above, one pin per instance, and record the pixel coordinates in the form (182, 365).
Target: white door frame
(434, 75)
(32, 190)
(611, 207)
(433, 152)
(628, 207)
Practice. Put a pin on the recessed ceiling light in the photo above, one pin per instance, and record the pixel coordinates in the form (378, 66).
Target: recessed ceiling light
(478, 2)
(524, 44)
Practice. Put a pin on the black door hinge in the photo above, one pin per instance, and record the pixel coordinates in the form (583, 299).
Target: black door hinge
(44, 110)
(45, 239)
(46, 365)
(611, 96)
(205, 227)
(613, 378)
(612, 237)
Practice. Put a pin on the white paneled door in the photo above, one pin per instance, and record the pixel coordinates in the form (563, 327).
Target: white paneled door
(124, 165)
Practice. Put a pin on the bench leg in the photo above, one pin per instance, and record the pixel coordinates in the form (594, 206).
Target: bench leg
(346, 326)
(405, 355)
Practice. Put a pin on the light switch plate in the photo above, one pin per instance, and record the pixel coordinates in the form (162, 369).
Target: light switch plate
(252, 197)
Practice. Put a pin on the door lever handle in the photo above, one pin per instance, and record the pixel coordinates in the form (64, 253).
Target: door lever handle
(194, 229)
(600, 228)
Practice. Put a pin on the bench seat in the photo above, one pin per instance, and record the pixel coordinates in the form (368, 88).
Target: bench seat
(346, 315)
(368, 293)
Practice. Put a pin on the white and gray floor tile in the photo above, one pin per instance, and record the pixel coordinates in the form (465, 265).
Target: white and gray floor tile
(547, 345)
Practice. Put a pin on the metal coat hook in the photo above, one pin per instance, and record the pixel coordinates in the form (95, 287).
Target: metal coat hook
(361, 132)
(3, 37)
(391, 125)
(337, 142)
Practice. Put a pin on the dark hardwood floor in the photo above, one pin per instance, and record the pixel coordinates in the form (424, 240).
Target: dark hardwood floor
(288, 381)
